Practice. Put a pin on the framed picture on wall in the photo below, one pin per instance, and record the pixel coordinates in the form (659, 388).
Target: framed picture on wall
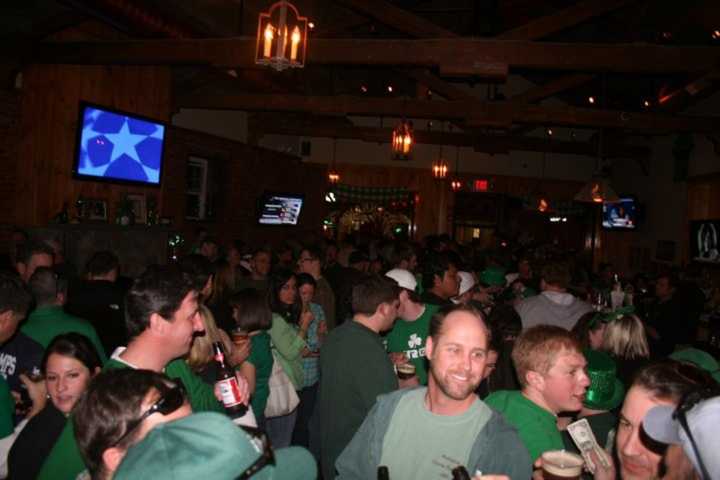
(139, 207)
(93, 209)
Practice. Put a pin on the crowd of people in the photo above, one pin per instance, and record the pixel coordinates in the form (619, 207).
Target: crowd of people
(356, 360)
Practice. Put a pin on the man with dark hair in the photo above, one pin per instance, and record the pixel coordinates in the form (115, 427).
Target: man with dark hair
(551, 370)
(554, 306)
(209, 249)
(439, 279)
(354, 368)
(406, 340)
(260, 265)
(19, 354)
(427, 432)
(162, 317)
(48, 320)
(660, 384)
(310, 263)
(346, 281)
(30, 255)
(100, 299)
(200, 271)
(116, 413)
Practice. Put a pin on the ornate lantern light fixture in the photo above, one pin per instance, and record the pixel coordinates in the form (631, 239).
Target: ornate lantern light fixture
(281, 37)
(456, 183)
(333, 175)
(402, 140)
(440, 166)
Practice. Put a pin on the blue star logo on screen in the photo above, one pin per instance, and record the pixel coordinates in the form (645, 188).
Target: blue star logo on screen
(120, 147)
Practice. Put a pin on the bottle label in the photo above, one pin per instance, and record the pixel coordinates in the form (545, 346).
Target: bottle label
(229, 391)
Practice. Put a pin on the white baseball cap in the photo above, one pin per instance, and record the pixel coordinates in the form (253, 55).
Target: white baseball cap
(404, 278)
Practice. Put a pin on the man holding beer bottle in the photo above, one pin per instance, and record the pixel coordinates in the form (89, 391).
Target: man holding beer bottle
(162, 318)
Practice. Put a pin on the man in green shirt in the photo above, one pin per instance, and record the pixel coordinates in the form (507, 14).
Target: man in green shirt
(162, 317)
(551, 370)
(48, 320)
(354, 367)
(428, 432)
(410, 331)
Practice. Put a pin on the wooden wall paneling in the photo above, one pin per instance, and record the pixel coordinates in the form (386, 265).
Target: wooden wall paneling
(49, 109)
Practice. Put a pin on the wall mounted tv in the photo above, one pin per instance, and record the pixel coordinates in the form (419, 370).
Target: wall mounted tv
(115, 146)
(280, 209)
(620, 215)
(705, 241)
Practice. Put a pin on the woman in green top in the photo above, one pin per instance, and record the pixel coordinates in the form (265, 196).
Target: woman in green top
(253, 317)
(288, 332)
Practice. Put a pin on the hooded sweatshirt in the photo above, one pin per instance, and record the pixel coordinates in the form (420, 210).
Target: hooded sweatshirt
(552, 308)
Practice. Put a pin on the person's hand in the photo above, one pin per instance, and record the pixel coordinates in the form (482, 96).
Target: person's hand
(240, 352)
(537, 470)
(37, 391)
(243, 387)
(603, 473)
(398, 358)
(306, 318)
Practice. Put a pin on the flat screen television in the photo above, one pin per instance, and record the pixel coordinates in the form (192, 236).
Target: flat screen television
(280, 209)
(620, 215)
(115, 146)
(705, 241)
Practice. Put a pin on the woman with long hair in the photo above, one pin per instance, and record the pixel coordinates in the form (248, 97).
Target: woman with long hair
(69, 363)
(626, 341)
(288, 333)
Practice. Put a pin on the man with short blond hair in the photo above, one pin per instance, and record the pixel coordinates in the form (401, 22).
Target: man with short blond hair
(551, 370)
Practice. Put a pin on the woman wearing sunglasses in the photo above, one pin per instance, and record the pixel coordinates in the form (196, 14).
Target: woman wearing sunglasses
(70, 362)
(118, 410)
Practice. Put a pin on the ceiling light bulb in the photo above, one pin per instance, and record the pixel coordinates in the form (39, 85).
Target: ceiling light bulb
(591, 100)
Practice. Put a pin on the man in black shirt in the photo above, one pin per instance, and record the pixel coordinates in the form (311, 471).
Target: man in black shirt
(440, 279)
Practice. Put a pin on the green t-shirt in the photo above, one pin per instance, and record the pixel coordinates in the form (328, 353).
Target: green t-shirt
(537, 427)
(7, 409)
(421, 444)
(46, 323)
(354, 370)
(64, 461)
(262, 359)
(410, 337)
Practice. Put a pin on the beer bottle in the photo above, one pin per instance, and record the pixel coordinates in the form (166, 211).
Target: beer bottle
(383, 473)
(228, 384)
(459, 473)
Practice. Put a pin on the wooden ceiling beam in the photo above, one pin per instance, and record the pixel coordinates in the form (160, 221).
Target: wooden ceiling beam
(682, 98)
(397, 18)
(494, 144)
(474, 113)
(474, 55)
(568, 17)
(541, 92)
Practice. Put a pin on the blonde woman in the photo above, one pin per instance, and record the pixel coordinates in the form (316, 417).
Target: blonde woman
(626, 341)
(201, 358)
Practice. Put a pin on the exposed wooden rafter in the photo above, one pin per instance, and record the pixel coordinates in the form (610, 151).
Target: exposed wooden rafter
(473, 113)
(494, 144)
(475, 55)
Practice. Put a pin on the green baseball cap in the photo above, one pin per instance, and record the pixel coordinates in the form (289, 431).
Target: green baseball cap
(700, 359)
(209, 445)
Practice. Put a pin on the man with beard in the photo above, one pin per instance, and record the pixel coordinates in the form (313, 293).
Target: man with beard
(427, 432)
(550, 367)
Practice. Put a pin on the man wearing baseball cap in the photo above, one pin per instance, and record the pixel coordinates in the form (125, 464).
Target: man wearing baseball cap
(407, 338)
(691, 426)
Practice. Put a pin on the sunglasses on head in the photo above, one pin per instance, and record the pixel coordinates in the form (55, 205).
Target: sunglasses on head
(262, 443)
(680, 414)
(170, 400)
